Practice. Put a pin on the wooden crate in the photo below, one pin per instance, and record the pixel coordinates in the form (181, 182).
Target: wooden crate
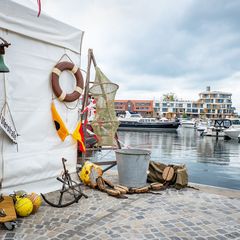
(8, 206)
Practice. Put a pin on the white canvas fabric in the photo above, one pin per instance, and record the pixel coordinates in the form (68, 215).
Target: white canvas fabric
(23, 20)
(36, 46)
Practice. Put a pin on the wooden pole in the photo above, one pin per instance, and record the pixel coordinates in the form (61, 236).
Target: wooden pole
(85, 99)
(86, 92)
(105, 97)
(91, 59)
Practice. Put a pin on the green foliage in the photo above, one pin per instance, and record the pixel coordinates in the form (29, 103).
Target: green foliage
(169, 97)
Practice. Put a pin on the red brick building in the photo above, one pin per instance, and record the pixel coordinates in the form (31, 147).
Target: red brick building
(144, 107)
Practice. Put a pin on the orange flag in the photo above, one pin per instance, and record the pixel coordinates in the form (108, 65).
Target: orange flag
(79, 136)
(59, 124)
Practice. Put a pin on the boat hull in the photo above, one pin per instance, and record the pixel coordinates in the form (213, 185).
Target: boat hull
(232, 133)
(186, 125)
(213, 132)
(148, 127)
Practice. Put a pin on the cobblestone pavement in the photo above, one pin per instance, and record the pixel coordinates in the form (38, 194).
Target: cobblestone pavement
(184, 214)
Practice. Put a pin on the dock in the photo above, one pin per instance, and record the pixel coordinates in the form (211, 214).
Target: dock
(208, 213)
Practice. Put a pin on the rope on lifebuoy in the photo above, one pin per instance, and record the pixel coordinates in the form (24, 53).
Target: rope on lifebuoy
(56, 72)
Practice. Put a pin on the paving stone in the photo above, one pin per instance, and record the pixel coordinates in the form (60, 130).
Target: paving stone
(221, 231)
(10, 235)
(219, 237)
(230, 236)
(149, 236)
(236, 234)
(159, 234)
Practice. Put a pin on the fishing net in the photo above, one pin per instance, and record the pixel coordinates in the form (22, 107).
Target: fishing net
(105, 122)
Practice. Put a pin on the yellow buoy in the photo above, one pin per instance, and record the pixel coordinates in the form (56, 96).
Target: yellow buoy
(36, 201)
(23, 207)
(89, 173)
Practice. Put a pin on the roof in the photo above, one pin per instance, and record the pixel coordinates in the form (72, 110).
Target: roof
(23, 20)
(215, 92)
(139, 101)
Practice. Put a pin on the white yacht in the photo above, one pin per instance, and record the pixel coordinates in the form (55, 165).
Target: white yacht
(233, 131)
(202, 125)
(213, 132)
(217, 127)
(188, 123)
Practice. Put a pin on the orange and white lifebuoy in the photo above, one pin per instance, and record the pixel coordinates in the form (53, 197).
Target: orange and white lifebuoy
(60, 94)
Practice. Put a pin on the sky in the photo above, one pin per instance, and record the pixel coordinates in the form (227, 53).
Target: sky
(153, 47)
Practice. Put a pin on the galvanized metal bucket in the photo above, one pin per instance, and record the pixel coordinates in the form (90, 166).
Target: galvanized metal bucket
(132, 165)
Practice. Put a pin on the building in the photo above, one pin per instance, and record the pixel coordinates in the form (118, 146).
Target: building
(144, 107)
(216, 104)
(177, 108)
(172, 107)
(211, 104)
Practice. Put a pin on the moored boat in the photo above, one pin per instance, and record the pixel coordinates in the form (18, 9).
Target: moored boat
(217, 128)
(188, 123)
(135, 122)
(233, 132)
(201, 125)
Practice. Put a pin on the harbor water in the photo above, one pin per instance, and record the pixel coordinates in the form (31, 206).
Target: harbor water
(209, 161)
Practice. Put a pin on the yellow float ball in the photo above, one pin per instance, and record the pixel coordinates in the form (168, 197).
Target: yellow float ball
(36, 201)
(23, 207)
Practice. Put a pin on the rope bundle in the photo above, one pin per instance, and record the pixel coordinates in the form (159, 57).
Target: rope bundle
(119, 191)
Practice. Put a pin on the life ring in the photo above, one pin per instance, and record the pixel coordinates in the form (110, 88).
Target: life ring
(62, 95)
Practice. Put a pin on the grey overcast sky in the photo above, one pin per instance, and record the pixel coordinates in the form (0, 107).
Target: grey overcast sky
(153, 47)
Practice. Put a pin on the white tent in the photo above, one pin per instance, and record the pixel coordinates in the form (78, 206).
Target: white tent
(37, 44)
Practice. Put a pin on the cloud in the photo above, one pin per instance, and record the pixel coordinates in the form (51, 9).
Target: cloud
(153, 47)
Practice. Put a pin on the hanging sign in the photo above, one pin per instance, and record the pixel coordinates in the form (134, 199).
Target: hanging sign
(12, 134)
(8, 128)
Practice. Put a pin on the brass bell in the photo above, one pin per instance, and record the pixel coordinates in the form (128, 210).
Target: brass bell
(3, 67)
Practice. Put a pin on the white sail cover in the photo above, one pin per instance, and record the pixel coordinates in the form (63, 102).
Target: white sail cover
(36, 46)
